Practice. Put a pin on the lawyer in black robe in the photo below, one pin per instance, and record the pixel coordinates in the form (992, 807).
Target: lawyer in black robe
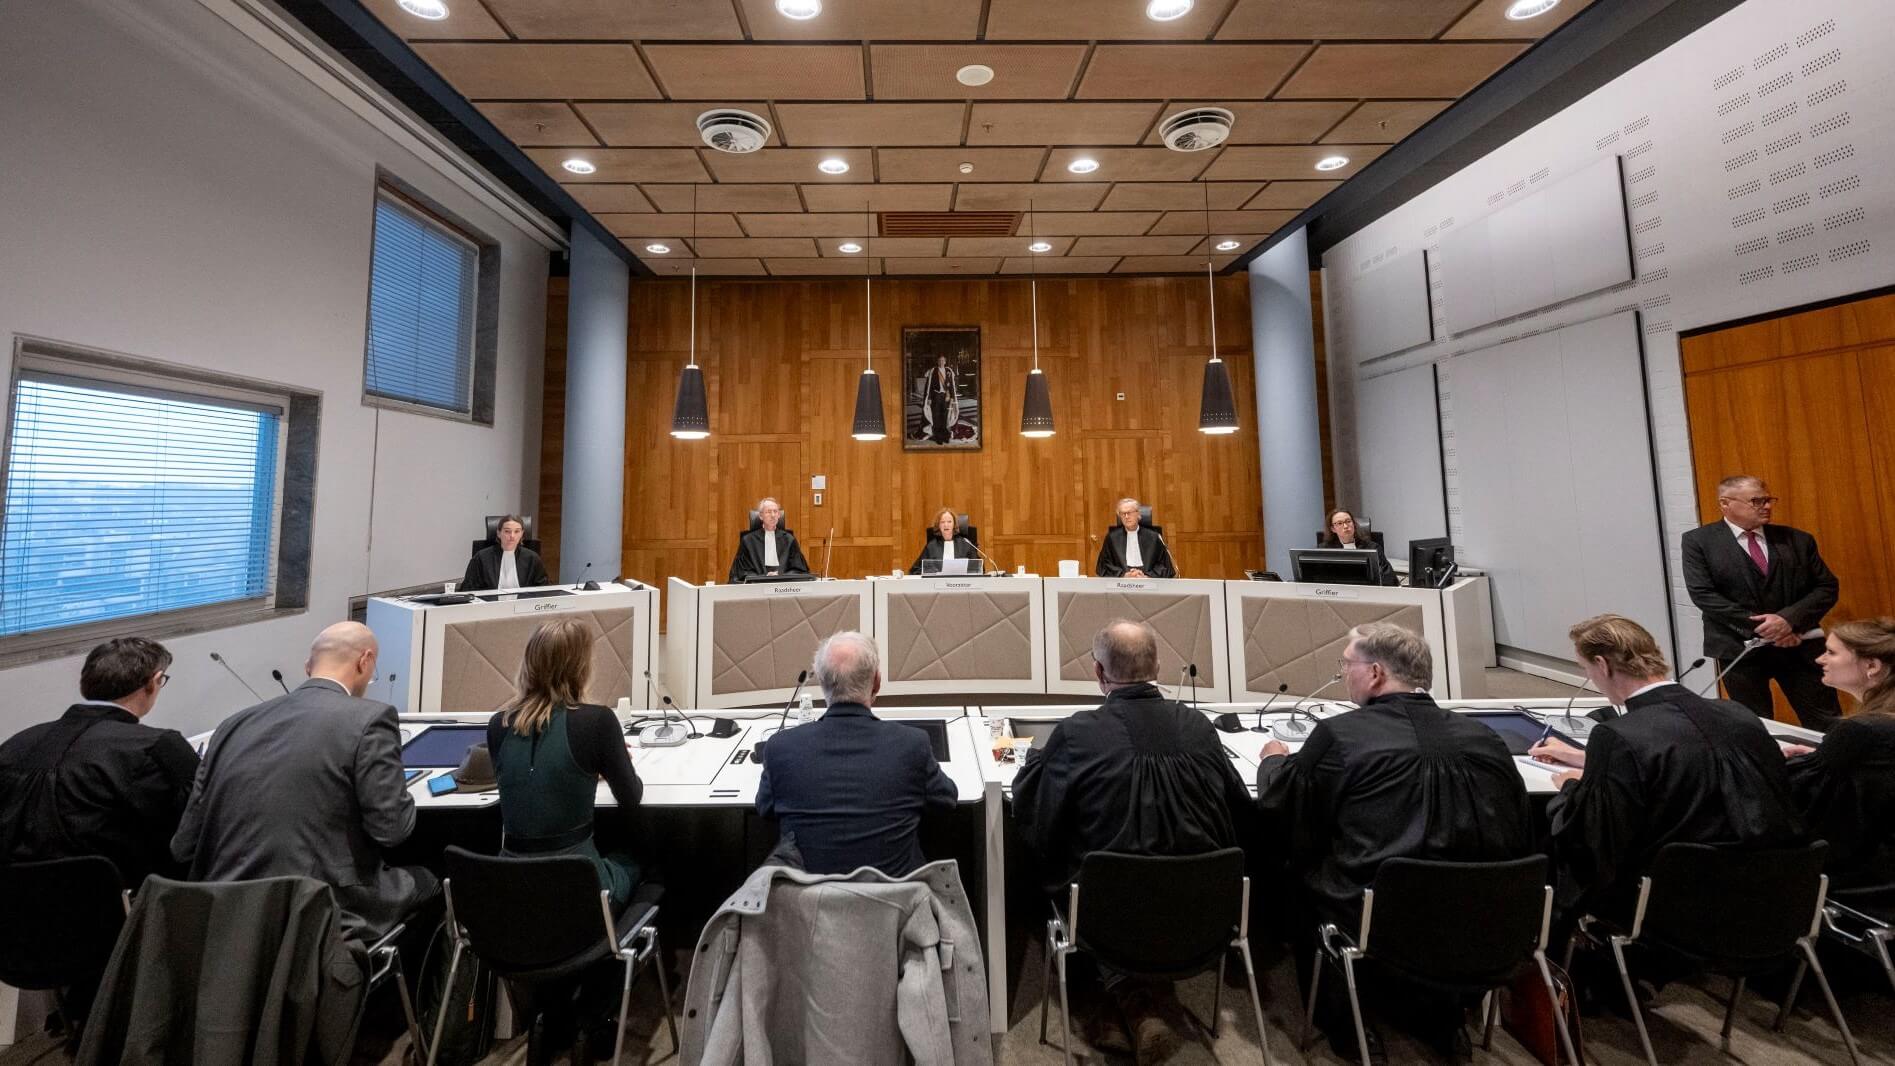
(1674, 767)
(749, 560)
(1141, 774)
(1151, 548)
(1845, 791)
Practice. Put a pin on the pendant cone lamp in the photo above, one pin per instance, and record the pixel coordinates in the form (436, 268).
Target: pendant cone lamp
(869, 424)
(1036, 412)
(691, 417)
(1217, 407)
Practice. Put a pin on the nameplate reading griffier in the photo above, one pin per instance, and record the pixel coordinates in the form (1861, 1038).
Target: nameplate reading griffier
(1330, 592)
(544, 606)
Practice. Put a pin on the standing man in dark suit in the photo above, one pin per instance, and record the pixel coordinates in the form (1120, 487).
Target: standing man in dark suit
(1763, 582)
(767, 550)
(1133, 550)
(848, 790)
(309, 784)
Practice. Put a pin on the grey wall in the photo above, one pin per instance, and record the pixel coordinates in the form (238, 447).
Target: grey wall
(1288, 438)
(590, 529)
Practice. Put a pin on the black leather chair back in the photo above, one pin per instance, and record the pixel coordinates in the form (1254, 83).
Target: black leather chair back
(1736, 911)
(59, 920)
(528, 541)
(1160, 916)
(528, 915)
(1493, 909)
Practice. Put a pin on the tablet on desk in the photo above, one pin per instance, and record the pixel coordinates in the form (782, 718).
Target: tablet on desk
(1519, 729)
(441, 747)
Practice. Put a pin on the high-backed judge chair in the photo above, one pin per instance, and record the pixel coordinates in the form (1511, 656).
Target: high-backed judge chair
(961, 529)
(529, 542)
(756, 522)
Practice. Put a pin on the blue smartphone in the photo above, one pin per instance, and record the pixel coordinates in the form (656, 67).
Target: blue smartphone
(442, 785)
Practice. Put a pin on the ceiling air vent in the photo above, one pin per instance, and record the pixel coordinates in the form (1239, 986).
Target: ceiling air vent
(949, 223)
(1196, 129)
(733, 131)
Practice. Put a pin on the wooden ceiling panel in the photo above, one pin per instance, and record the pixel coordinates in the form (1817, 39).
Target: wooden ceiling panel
(1006, 245)
(615, 19)
(888, 248)
(655, 125)
(715, 72)
(766, 247)
(1267, 121)
(1020, 197)
(1168, 71)
(839, 198)
(864, 20)
(1290, 195)
(515, 71)
(1223, 221)
(855, 225)
(1169, 245)
(963, 265)
(652, 224)
(1169, 264)
(872, 125)
(1328, 20)
(1088, 223)
(1021, 71)
(791, 164)
(622, 164)
(609, 199)
(1385, 121)
(1067, 123)
(668, 267)
(1059, 264)
(464, 22)
(805, 267)
(1489, 21)
(1096, 20)
(538, 124)
(1288, 162)
(1177, 195)
(1396, 71)
(736, 198)
(1127, 164)
(943, 164)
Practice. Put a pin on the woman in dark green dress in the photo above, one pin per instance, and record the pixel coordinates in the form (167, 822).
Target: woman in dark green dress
(550, 750)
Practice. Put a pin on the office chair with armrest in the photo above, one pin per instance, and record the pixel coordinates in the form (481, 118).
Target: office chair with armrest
(59, 920)
(1500, 913)
(529, 541)
(1686, 908)
(1862, 920)
(1161, 917)
(537, 921)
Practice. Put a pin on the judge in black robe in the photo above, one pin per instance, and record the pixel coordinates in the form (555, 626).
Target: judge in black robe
(1845, 791)
(483, 570)
(945, 526)
(750, 549)
(1154, 556)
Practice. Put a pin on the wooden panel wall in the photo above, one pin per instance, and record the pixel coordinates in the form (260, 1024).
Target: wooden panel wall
(1804, 401)
(781, 360)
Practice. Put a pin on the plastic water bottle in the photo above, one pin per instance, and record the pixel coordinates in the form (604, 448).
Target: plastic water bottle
(805, 709)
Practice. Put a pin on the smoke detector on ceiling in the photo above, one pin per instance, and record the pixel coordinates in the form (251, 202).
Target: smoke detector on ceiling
(733, 131)
(1196, 129)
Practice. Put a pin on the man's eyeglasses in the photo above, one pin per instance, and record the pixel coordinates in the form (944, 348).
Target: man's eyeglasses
(1345, 662)
(163, 680)
(1754, 501)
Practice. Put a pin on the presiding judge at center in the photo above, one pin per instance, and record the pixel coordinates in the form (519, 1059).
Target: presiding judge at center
(768, 550)
(1131, 550)
(505, 565)
(944, 545)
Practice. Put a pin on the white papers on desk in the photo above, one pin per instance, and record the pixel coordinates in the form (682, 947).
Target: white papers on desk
(694, 762)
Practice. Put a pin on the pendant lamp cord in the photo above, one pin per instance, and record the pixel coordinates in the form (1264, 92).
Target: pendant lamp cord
(868, 289)
(1210, 279)
(1033, 268)
(694, 273)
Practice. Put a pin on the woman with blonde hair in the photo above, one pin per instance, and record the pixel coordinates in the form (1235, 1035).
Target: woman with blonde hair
(550, 748)
(1846, 787)
(946, 541)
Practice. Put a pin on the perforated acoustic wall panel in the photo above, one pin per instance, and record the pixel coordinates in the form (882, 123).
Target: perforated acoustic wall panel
(1758, 159)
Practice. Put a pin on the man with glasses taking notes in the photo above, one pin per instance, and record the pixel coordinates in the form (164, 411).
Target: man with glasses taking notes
(1756, 581)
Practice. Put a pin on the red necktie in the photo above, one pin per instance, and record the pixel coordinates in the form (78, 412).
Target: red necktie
(1756, 553)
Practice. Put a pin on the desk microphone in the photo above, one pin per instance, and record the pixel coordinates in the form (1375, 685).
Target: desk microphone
(584, 585)
(1567, 714)
(664, 734)
(278, 675)
(1749, 646)
(1232, 723)
(1695, 663)
(756, 752)
(998, 569)
(1192, 669)
(219, 660)
(1291, 729)
(1176, 570)
(828, 552)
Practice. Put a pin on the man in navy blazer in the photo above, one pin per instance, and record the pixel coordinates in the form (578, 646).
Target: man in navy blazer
(1755, 581)
(849, 789)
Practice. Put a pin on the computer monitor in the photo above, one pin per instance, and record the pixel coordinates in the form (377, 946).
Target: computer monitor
(1428, 561)
(1336, 566)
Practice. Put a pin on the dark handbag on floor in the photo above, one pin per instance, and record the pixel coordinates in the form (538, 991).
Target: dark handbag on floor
(467, 1031)
(1526, 1013)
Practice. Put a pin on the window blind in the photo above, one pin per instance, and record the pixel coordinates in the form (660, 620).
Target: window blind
(126, 501)
(421, 310)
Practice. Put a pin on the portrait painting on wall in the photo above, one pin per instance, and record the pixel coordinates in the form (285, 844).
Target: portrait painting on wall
(940, 388)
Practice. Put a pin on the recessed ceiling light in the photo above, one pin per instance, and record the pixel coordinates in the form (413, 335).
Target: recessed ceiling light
(833, 166)
(967, 168)
(657, 249)
(1167, 10)
(1520, 10)
(1225, 246)
(1332, 162)
(578, 166)
(433, 10)
(799, 9)
(1083, 165)
(975, 74)
(1039, 246)
(848, 248)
